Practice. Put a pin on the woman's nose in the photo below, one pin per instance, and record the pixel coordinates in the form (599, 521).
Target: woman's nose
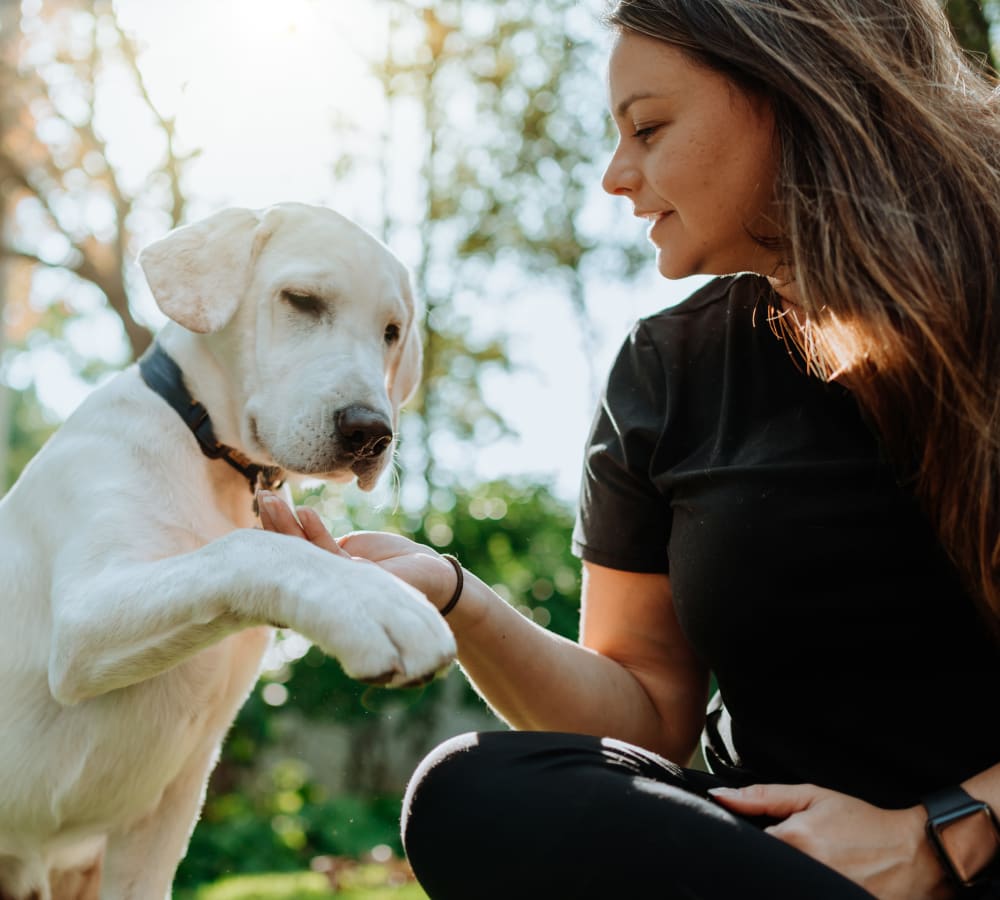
(621, 177)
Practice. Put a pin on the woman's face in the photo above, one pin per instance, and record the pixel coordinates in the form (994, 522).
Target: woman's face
(696, 156)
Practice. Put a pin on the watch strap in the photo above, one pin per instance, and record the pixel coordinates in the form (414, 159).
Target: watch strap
(974, 857)
(948, 801)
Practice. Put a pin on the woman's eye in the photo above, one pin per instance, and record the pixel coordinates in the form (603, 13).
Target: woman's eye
(304, 302)
(391, 334)
(645, 132)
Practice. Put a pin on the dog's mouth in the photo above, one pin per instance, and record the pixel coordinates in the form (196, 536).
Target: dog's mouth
(347, 456)
(367, 472)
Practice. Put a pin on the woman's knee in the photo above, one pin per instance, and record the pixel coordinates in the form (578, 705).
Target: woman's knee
(450, 788)
(432, 782)
(449, 810)
(493, 768)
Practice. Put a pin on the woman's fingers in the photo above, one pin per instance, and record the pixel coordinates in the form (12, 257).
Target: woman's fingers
(277, 516)
(777, 800)
(315, 532)
(395, 553)
(378, 545)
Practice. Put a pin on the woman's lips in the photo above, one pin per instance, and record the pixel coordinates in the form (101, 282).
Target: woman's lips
(656, 219)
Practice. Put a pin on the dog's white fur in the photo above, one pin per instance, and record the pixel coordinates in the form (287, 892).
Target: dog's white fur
(137, 592)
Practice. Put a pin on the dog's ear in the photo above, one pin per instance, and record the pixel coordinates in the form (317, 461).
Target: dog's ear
(199, 272)
(405, 377)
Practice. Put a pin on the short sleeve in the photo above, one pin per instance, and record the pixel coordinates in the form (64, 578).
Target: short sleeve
(623, 520)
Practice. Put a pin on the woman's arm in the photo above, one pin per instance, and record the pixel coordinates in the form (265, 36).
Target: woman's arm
(633, 676)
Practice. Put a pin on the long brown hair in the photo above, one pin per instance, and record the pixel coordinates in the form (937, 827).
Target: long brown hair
(888, 198)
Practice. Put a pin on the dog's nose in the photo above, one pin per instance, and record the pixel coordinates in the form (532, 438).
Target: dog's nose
(362, 431)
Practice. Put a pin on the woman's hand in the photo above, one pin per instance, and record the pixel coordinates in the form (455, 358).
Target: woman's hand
(885, 851)
(277, 516)
(417, 565)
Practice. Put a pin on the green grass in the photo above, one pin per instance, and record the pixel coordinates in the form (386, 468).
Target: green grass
(367, 884)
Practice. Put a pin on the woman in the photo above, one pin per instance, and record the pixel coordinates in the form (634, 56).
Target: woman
(810, 510)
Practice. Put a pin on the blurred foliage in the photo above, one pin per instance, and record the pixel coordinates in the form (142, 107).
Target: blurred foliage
(283, 825)
(29, 429)
(513, 145)
(493, 103)
(371, 885)
(67, 205)
(73, 207)
(971, 21)
(298, 886)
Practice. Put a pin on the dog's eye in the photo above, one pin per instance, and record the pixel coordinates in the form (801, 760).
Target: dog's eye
(303, 302)
(391, 334)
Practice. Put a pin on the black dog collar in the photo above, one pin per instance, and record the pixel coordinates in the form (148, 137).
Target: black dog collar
(163, 375)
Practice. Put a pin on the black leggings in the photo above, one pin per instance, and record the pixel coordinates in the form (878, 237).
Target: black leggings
(530, 815)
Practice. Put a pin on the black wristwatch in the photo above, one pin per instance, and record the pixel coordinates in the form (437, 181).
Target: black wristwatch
(964, 833)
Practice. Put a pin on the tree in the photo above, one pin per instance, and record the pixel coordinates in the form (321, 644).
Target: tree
(510, 150)
(72, 201)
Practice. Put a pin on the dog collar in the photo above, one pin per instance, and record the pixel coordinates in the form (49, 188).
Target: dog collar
(163, 375)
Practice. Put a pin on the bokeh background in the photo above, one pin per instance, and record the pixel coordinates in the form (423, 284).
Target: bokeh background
(470, 135)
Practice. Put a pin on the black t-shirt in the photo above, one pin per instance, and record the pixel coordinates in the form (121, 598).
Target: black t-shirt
(846, 651)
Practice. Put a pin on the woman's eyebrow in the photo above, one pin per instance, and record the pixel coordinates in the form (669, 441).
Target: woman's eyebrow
(622, 107)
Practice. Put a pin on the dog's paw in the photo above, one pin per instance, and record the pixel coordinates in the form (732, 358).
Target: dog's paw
(389, 634)
(392, 678)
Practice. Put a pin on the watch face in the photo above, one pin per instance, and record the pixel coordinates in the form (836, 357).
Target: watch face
(969, 842)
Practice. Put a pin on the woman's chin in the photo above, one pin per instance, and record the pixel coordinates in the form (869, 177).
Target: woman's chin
(670, 267)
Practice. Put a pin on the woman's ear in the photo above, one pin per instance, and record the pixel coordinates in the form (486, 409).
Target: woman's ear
(198, 273)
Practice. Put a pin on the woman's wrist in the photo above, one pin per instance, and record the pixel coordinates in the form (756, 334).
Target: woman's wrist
(473, 604)
(456, 594)
(926, 866)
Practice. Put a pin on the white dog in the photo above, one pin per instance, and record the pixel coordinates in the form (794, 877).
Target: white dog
(137, 592)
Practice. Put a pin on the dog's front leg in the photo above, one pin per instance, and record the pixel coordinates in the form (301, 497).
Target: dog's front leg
(120, 623)
(141, 859)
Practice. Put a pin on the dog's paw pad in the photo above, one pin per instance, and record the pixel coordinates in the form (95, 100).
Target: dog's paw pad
(380, 680)
(401, 680)
(418, 682)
